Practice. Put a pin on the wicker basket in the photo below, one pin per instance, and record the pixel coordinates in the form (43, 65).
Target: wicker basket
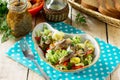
(109, 20)
(56, 15)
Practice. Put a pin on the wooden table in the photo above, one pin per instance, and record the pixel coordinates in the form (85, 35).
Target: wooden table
(11, 70)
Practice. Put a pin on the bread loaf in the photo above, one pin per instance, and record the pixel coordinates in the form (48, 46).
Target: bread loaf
(102, 9)
(92, 4)
(117, 4)
(110, 5)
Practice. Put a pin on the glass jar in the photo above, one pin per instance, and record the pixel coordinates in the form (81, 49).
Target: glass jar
(56, 10)
(18, 18)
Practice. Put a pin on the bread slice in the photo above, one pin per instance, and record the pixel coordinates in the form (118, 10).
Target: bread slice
(110, 5)
(117, 4)
(102, 9)
(90, 4)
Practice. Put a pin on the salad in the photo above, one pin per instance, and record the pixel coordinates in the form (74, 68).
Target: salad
(64, 53)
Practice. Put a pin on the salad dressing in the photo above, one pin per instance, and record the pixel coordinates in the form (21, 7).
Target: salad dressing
(18, 18)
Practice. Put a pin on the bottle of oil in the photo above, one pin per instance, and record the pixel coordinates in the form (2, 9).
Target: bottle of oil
(18, 18)
(56, 10)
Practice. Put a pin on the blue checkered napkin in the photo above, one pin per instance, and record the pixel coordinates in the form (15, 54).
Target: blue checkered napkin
(108, 61)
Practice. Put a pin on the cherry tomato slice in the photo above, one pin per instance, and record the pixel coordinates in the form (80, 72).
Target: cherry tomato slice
(77, 67)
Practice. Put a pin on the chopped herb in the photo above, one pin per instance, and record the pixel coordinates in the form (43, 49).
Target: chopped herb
(80, 18)
(6, 32)
(3, 8)
(43, 39)
(69, 66)
(3, 24)
(45, 27)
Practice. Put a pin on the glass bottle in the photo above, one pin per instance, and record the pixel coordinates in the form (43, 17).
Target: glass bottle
(18, 18)
(56, 10)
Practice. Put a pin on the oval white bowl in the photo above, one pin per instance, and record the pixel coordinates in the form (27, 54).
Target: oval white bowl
(83, 37)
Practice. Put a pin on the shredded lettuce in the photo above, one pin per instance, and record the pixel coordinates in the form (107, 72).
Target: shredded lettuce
(88, 59)
(62, 67)
(46, 32)
(38, 33)
(76, 39)
(89, 45)
(54, 56)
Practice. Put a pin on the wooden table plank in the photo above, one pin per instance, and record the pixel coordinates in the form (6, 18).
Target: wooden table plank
(34, 76)
(113, 38)
(114, 35)
(9, 69)
(69, 19)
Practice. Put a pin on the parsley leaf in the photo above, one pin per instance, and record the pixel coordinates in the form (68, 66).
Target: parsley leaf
(80, 18)
(69, 66)
(3, 8)
(4, 29)
(6, 32)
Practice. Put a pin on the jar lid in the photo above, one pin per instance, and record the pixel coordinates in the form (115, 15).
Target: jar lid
(15, 5)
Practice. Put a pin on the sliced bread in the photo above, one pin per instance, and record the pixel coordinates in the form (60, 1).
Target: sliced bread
(102, 9)
(92, 4)
(110, 5)
(117, 4)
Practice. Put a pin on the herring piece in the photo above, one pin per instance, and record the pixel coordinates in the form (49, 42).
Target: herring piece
(65, 58)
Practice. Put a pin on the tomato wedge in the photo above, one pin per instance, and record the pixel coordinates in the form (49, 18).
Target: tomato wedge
(89, 52)
(37, 38)
(77, 67)
(65, 63)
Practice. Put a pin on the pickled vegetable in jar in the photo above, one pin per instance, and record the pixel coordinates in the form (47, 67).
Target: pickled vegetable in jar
(18, 18)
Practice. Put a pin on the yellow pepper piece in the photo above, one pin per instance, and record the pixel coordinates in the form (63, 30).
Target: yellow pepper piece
(58, 36)
(75, 60)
